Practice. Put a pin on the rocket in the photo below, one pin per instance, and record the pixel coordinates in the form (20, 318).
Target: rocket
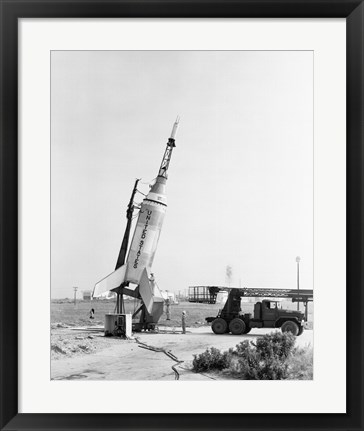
(138, 264)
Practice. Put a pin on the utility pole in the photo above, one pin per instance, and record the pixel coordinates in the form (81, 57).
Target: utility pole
(298, 259)
(75, 289)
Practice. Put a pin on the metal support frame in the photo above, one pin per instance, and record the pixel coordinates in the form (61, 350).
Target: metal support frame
(166, 159)
(120, 308)
(208, 294)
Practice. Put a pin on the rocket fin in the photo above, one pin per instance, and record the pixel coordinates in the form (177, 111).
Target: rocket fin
(145, 290)
(112, 281)
(149, 293)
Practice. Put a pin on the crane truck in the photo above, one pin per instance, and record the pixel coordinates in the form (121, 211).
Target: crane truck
(267, 313)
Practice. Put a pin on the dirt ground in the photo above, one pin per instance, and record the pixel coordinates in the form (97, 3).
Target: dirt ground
(86, 354)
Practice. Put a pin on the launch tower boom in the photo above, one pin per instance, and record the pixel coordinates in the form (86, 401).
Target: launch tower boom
(208, 294)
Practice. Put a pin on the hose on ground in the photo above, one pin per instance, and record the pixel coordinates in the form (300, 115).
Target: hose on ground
(166, 352)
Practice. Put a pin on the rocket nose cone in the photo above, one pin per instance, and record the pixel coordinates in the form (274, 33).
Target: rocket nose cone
(174, 129)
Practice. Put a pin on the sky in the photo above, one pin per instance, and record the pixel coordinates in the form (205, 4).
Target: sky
(240, 185)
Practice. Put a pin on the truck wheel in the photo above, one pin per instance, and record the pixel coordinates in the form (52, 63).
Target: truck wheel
(290, 326)
(300, 330)
(237, 326)
(219, 326)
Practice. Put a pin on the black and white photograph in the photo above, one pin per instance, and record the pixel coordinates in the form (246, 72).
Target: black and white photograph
(182, 208)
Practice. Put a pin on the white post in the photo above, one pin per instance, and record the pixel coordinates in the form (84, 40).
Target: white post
(298, 259)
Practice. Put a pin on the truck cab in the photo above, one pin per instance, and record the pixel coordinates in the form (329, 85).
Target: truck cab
(270, 314)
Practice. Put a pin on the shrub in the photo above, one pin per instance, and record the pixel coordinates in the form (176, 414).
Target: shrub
(253, 367)
(211, 359)
(264, 360)
(276, 345)
(242, 349)
(267, 359)
(270, 369)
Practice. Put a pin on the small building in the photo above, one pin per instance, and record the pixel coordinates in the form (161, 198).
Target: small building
(86, 295)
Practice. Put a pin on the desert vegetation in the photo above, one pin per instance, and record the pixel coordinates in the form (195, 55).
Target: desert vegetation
(270, 357)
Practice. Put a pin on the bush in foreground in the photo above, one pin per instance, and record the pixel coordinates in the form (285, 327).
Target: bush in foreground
(272, 357)
(276, 345)
(211, 359)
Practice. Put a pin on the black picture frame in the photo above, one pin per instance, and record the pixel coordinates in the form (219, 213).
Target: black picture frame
(11, 11)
